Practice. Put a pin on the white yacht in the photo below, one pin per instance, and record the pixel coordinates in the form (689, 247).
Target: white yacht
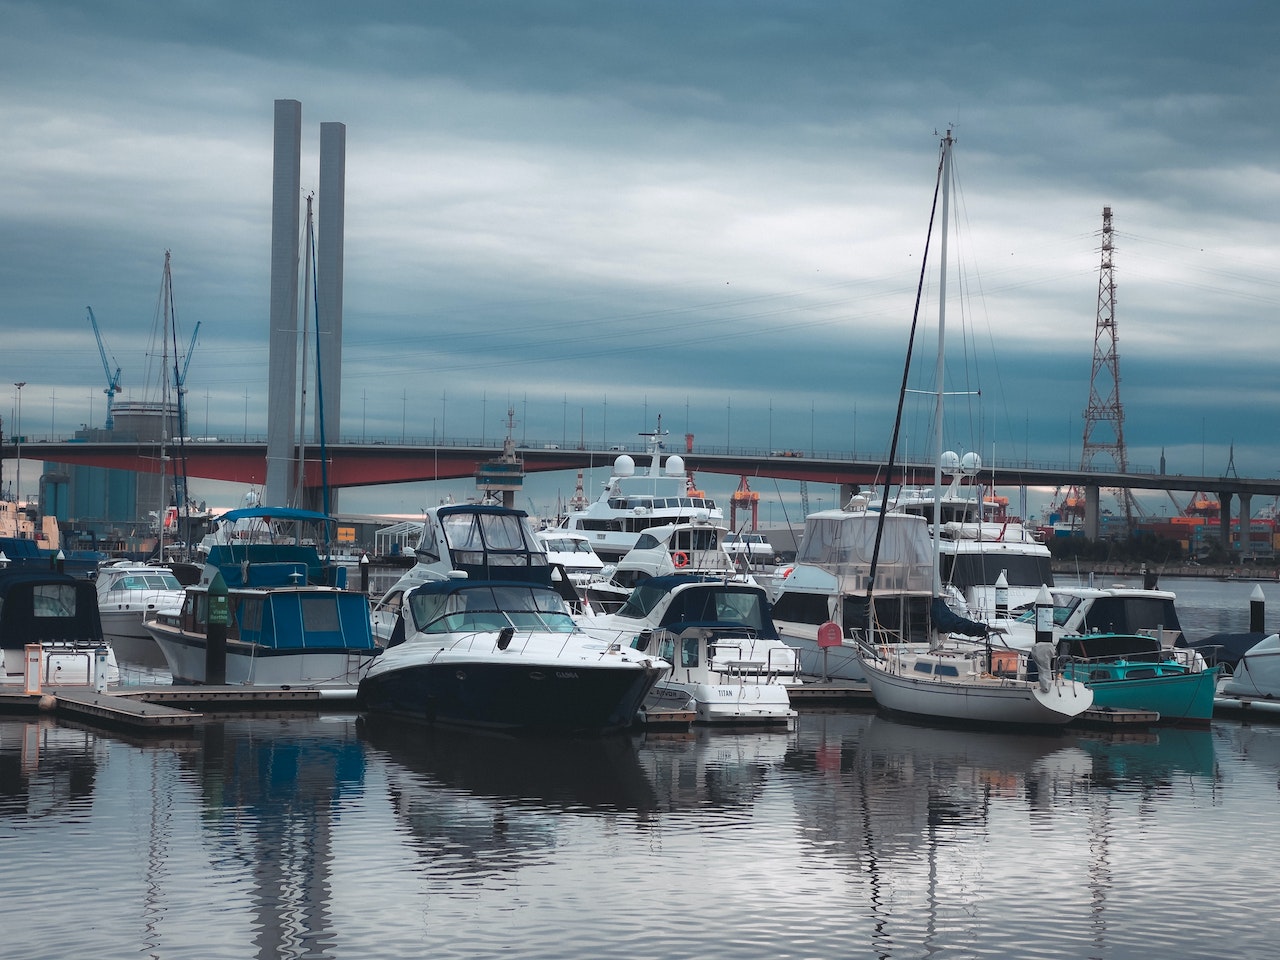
(129, 591)
(632, 502)
(571, 551)
(695, 547)
(828, 584)
(978, 540)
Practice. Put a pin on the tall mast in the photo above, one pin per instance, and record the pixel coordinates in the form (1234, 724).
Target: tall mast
(940, 369)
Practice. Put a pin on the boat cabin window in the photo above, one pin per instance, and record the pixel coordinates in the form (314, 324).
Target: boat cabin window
(488, 609)
(689, 652)
(53, 600)
(499, 539)
(428, 550)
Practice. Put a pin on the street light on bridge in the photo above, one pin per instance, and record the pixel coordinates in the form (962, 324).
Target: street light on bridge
(17, 499)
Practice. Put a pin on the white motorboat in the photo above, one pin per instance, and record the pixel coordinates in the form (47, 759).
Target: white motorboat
(728, 663)
(56, 614)
(570, 550)
(633, 502)
(505, 655)
(484, 540)
(944, 679)
(290, 619)
(1088, 610)
(691, 547)
(128, 592)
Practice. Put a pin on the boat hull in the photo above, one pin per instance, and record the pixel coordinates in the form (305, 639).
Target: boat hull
(741, 704)
(132, 643)
(1010, 702)
(249, 664)
(1178, 698)
(832, 663)
(520, 696)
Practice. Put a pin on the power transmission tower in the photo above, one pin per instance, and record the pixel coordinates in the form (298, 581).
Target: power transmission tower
(1104, 416)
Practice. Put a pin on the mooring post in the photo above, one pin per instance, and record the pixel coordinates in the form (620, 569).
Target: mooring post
(1257, 610)
(364, 574)
(215, 649)
(1002, 597)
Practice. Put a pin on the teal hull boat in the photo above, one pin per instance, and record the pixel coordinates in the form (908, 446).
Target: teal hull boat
(1134, 672)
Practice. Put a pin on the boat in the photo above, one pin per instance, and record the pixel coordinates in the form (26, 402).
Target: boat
(728, 663)
(828, 584)
(983, 549)
(291, 620)
(1087, 610)
(127, 592)
(57, 613)
(1254, 683)
(1137, 672)
(485, 541)
(633, 502)
(571, 551)
(691, 547)
(945, 679)
(752, 549)
(483, 639)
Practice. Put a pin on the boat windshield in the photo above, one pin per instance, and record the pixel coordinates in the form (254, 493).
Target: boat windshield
(489, 608)
(493, 539)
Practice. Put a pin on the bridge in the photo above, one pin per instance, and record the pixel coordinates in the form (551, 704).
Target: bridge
(371, 464)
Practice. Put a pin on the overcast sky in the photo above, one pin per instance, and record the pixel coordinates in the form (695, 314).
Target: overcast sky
(601, 211)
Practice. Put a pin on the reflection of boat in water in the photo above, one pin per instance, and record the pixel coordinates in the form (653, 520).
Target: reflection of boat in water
(712, 768)
(1148, 758)
(47, 770)
(577, 774)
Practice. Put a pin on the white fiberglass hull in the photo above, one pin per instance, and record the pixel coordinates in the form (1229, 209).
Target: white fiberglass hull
(740, 704)
(833, 663)
(123, 629)
(993, 701)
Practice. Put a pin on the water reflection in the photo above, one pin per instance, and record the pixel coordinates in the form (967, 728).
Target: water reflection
(46, 770)
(270, 791)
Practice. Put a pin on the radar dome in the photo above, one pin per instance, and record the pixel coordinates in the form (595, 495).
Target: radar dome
(675, 465)
(950, 461)
(971, 463)
(624, 466)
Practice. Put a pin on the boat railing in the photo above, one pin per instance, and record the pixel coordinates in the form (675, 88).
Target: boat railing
(775, 663)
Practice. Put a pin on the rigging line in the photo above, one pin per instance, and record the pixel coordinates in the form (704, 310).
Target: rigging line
(902, 394)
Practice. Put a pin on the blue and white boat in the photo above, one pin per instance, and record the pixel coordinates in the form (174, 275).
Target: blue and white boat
(290, 619)
(484, 639)
(728, 664)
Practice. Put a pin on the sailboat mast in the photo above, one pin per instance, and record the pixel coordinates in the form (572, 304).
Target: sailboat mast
(940, 369)
(166, 298)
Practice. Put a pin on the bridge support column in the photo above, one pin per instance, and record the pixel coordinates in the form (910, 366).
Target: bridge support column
(1091, 512)
(1246, 546)
(1224, 521)
(848, 491)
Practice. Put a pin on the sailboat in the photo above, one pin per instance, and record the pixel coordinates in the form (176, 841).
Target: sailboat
(945, 678)
(290, 618)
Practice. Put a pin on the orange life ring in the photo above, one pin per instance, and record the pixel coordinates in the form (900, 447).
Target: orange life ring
(680, 558)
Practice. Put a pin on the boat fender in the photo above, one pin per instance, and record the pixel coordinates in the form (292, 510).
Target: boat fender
(680, 558)
(504, 637)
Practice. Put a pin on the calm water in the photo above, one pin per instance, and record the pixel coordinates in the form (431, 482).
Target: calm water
(852, 836)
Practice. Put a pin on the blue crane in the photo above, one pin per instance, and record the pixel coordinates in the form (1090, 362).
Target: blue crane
(113, 380)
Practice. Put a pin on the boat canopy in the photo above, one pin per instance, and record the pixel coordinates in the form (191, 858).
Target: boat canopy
(38, 606)
(701, 601)
(843, 543)
(276, 513)
(462, 606)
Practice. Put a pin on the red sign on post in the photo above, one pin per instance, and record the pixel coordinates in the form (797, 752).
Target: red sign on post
(829, 634)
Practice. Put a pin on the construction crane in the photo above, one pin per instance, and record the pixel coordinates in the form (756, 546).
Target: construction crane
(180, 380)
(113, 379)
